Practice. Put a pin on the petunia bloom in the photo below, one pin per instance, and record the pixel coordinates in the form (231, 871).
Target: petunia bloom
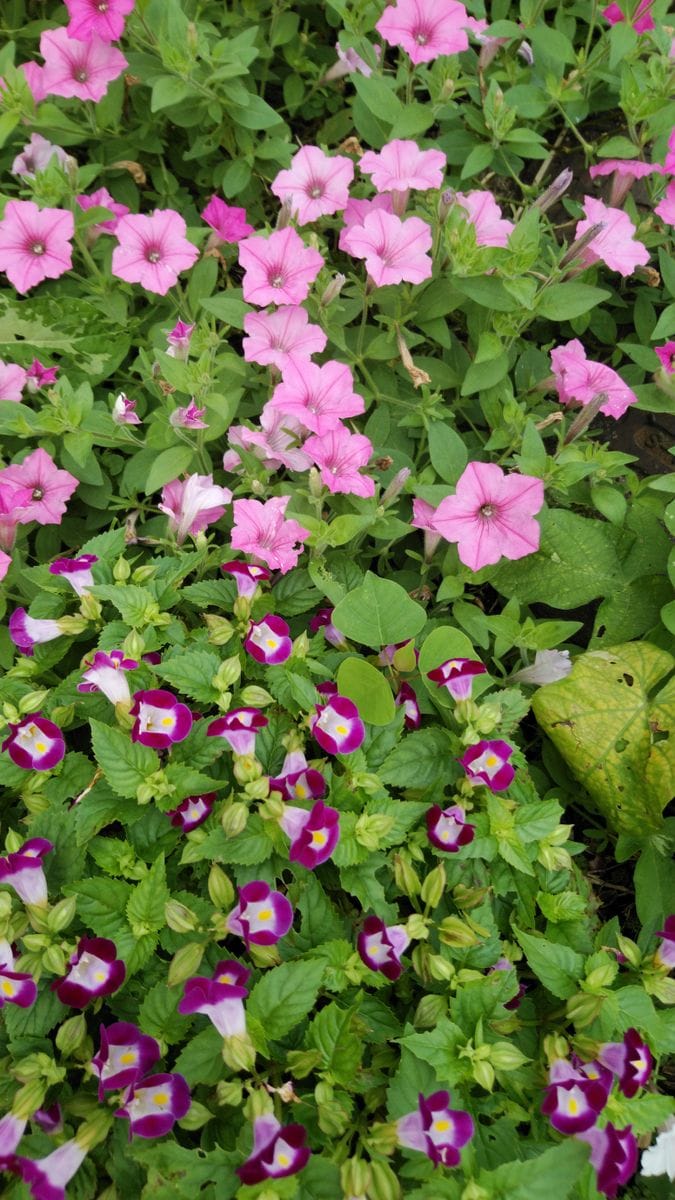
(35, 743)
(278, 269)
(487, 763)
(239, 727)
(641, 18)
(380, 947)
(491, 515)
(340, 455)
(261, 529)
(275, 443)
(315, 185)
(278, 1150)
(36, 156)
(12, 381)
(152, 250)
(630, 1061)
(320, 397)
(24, 872)
(93, 970)
(268, 641)
(665, 955)
(16, 987)
(485, 215)
(228, 222)
(261, 916)
(48, 1177)
(665, 209)
(125, 1055)
(178, 340)
(123, 411)
(624, 172)
(193, 503)
(615, 244)
(76, 571)
(35, 244)
(437, 1130)
(188, 417)
(219, 998)
(298, 781)
(614, 1156)
(448, 829)
(666, 355)
(102, 199)
(337, 726)
(161, 719)
(395, 251)
(78, 69)
(39, 376)
(106, 674)
(97, 18)
(580, 379)
(153, 1105)
(276, 338)
(356, 212)
(247, 577)
(425, 29)
(573, 1102)
(192, 812)
(401, 166)
(314, 835)
(457, 675)
(406, 698)
(50, 487)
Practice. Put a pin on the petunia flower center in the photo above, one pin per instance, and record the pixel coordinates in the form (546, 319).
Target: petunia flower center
(103, 6)
(37, 248)
(315, 191)
(487, 510)
(277, 279)
(37, 494)
(153, 256)
(80, 75)
(421, 36)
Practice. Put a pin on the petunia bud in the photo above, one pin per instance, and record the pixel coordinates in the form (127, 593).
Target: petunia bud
(555, 190)
(433, 887)
(220, 887)
(384, 1184)
(455, 932)
(71, 1035)
(230, 1092)
(332, 291)
(581, 243)
(429, 1011)
(179, 917)
(185, 963)
(233, 818)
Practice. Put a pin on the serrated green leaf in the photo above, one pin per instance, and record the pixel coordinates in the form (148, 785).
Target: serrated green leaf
(558, 967)
(125, 764)
(284, 996)
(145, 908)
(191, 673)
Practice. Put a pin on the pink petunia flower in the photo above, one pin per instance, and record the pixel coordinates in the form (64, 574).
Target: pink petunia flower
(665, 209)
(229, 222)
(13, 500)
(35, 243)
(5, 564)
(339, 455)
(320, 397)
(12, 381)
(189, 417)
(276, 443)
(356, 212)
(280, 337)
(36, 156)
(486, 217)
(395, 251)
(78, 69)
(50, 487)
(491, 515)
(39, 376)
(616, 244)
(33, 73)
(348, 62)
(669, 161)
(193, 503)
(123, 411)
(263, 531)
(401, 165)
(279, 269)
(641, 19)
(425, 29)
(579, 378)
(152, 250)
(666, 354)
(624, 172)
(178, 341)
(315, 185)
(97, 18)
(102, 199)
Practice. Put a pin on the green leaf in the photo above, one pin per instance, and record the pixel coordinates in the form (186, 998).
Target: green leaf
(227, 307)
(566, 906)
(654, 889)
(379, 96)
(125, 764)
(145, 909)
(564, 301)
(331, 1034)
(132, 603)
(421, 759)
(378, 612)
(249, 848)
(200, 1059)
(558, 967)
(158, 1014)
(191, 673)
(553, 1173)
(361, 682)
(439, 1049)
(167, 466)
(577, 562)
(284, 996)
(101, 903)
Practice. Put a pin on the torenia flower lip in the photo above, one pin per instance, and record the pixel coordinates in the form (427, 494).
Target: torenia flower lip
(665, 954)
(161, 719)
(193, 811)
(573, 1101)
(298, 781)
(487, 762)
(315, 185)
(278, 1150)
(283, 336)
(78, 69)
(48, 1177)
(262, 916)
(457, 675)
(406, 698)
(76, 571)
(16, 987)
(239, 729)
(125, 1055)
(219, 998)
(401, 165)
(614, 1156)
(491, 515)
(337, 726)
(93, 971)
(193, 503)
(35, 243)
(448, 829)
(152, 250)
(278, 269)
(24, 872)
(155, 1104)
(105, 674)
(630, 1060)
(425, 29)
(314, 835)
(35, 743)
(50, 487)
(380, 947)
(11, 1132)
(437, 1130)
(323, 620)
(247, 577)
(229, 222)
(123, 411)
(27, 632)
(268, 641)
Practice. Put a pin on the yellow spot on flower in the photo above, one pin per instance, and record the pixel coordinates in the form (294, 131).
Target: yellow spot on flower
(40, 747)
(573, 1108)
(128, 1057)
(265, 914)
(491, 761)
(283, 1160)
(341, 729)
(445, 836)
(160, 1098)
(7, 988)
(225, 979)
(300, 792)
(441, 1126)
(271, 643)
(167, 720)
(99, 976)
(318, 837)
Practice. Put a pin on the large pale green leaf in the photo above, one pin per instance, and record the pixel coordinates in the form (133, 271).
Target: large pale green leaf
(577, 562)
(368, 688)
(378, 612)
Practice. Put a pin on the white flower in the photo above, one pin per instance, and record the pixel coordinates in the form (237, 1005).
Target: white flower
(659, 1159)
(548, 667)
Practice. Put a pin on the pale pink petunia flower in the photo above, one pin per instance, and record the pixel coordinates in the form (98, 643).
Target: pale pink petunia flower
(35, 243)
(50, 487)
(339, 455)
(349, 62)
(669, 161)
(152, 250)
(228, 221)
(97, 18)
(193, 503)
(5, 564)
(123, 411)
(665, 209)
(102, 199)
(579, 378)
(189, 417)
(423, 515)
(641, 19)
(320, 397)
(278, 269)
(280, 337)
(13, 500)
(666, 355)
(78, 69)
(276, 443)
(315, 185)
(356, 212)
(401, 165)
(486, 217)
(616, 244)
(263, 531)
(491, 515)
(425, 29)
(395, 251)
(33, 73)
(12, 381)
(36, 156)
(624, 172)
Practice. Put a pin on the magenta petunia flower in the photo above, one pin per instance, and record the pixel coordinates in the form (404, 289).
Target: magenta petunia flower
(380, 947)
(152, 250)
(630, 1060)
(425, 29)
(614, 1156)
(35, 743)
(23, 870)
(247, 577)
(50, 487)
(666, 354)
(13, 502)
(153, 1105)
(229, 222)
(437, 1130)
(123, 411)
(125, 1055)
(641, 18)
(261, 529)
(97, 18)
(280, 337)
(178, 340)
(491, 515)
(93, 970)
(193, 503)
(161, 719)
(12, 381)
(102, 199)
(320, 397)
(279, 268)
(193, 811)
(106, 674)
(337, 726)
(485, 215)
(487, 763)
(340, 455)
(78, 69)
(314, 835)
(268, 641)
(262, 916)
(401, 166)
(615, 244)
(457, 675)
(36, 156)
(239, 728)
(580, 379)
(315, 185)
(189, 417)
(298, 781)
(665, 209)
(395, 251)
(448, 829)
(219, 998)
(665, 955)
(76, 571)
(276, 443)
(16, 987)
(49, 1177)
(278, 1150)
(323, 620)
(35, 243)
(39, 376)
(406, 698)
(573, 1100)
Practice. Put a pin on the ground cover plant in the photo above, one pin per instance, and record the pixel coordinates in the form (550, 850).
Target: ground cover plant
(337, 375)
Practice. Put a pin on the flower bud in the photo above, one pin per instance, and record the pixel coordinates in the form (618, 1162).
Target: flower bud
(54, 960)
(228, 673)
(60, 916)
(144, 793)
(29, 1098)
(555, 190)
(601, 977)
(384, 1184)
(196, 1117)
(264, 956)
(334, 1119)
(489, 716)
(581, 243)
(121, 570)
(71, 1035)
(302, 1062)
(242, 608)
(420, 961)
(233, 818)
(583, 1009)
(315, 484)
(429, 1011)
(220, 887)
(95, 1130)
(220, 629)
(185, 963)
(483, 1073)
(133, 645)
(555, 1046)
(32, 702)
(259, 1103)
(273, 808)
(63, 714)
(301, 646)
(90, 607)
(354, 1177)
(383, 1137)
(179, 917)
(473, 1191)
(332, 291)
(630, 950)
(468, 898)
(454, 932)
(504, 1056)
(255, 697)
(246, 768)
(371, 828)
(407, 880)
(440, 968)
(230, 1092)
(417, 927)
(433, 887)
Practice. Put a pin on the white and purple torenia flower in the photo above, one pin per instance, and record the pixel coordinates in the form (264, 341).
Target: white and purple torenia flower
(314, 835)
(574, 1098)
(239, 728)
(123, 411)
(76, 571)
(93, 970)
(125, 1055)
(220, 998)
(155, 1104)
(28, 632)
(337, 726)
(247, 577)
(269, 641)
(448, 829)
(297, 780)
(106, 673)
(16, 987)
(262, 916)
(665, 954)
(178, 340)
(457, 675)
(24, 872)
(380, 947)
(48, 1177)
(406, 698)
(630, 1060)
(35, 743)
(323, 620)
(437, 1130)
(11, 1133)
(161, 719)
(193, 811)
(278, 1150)
(488, 763)
(613, 1155)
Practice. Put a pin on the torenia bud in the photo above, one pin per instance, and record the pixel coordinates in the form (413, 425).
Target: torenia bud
(407, 879)
(371, 828)
(90, 607)
(420, 960)
(474, 1192)
(483, 1073)
(383, 1183)
(144, 793)
(504, 1056)
(63, 714)
(233, 818)
(259, 1103)
(71, 1035)
(440, 968)
(230, 1092)
(257, 789)
(54, 960)
(32, 702)
(383, 1137)
(601, 977)
(264, 956)
(455, 932)
(133, 645)
(220, 887)
(29, 1098)
(143, 574)
(220, 629)
(468, 898)
(583, 1009)
(433, 887)
(273, 808)
(246, 768)
(429, 1011)
(417, 927)
(184, 963)
(301, 646)
(242, 608)
(630, 950)
(255, 697)
(180, 918)
(95, 1130)
(488, 719)
(228, 673)
(555, 1046)
(60, 916)
(354, 1177)
(121, 570)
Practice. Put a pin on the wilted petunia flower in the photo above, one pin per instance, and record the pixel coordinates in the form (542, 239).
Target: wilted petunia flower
(155, 1104)
(192, 812)
(78, 69)
(457, 675)
(448, 828)
(93, 970)
(102, 199)
(35, 243)
(275, 443)
(337, 726)
(487, 762)
(278, 1150)
(36, 156)
(219, 998)
(437, 1130)
(76, 571)
(239, 729)
(548, 667)
(161, 719)
(125, 1055)
(16, 987)
(105, 673)
(50, 1119)
(188, 417)
(314, 835)
(193, 503)
(614, 1156)
(152, 250)
(630, 1060)
(268, 641)
(491, 515)
(279, 268)
(380, 947)
(262, 916)
(425, 29)
(315, 185)
(35, 743)
(282, 336)
(178, 340)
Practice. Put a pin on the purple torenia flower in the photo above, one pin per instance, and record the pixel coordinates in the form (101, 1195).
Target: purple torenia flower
(48, 1177)
(665, 955)
(161, 719)
(381, 946)
(50, 1119)
(487, 762)
(261, 916)
(155, 1104)
(448, 829)
(314, 835)
(323, 620)
(123, 411)
(27, 632)
(93, 971)
(337, 726)
(239, 728)
(436, 1129)
(219, 998)
(614, 1156)
(76, 571)
(178, 340)
(406, 698)
(268, 641)
(278, 1150)
(573, 1101)
(457, 674)
(105, 673)
(35, 744)
(247, 577)
(189, 417)
(193, 811)
(298, 781)
(630, 1060)
(11, 1133)
(24, 872)
(125, 1054)
(16, 987)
